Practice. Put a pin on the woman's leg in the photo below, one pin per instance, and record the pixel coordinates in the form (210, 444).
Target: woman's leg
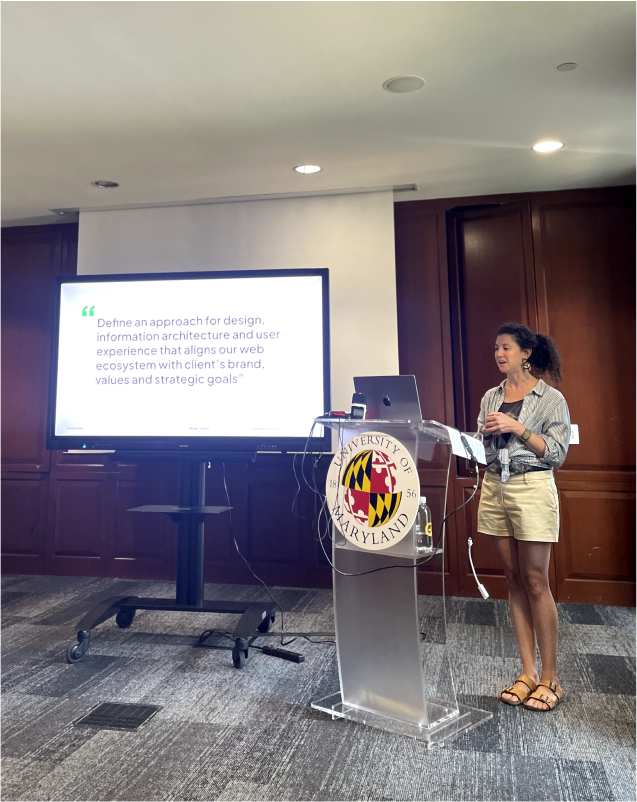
(533, 560)
(520, 607)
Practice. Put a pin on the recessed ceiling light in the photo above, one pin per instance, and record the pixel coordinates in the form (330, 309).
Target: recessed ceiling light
(307, 168)
(404, 83)
(104, 184)
(567, 67)
(547, 147)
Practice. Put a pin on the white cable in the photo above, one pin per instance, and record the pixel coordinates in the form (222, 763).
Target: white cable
(483, 591)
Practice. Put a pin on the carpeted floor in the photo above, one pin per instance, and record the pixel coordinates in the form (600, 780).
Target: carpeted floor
(225, 734)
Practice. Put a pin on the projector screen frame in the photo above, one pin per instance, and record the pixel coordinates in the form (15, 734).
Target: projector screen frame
(201, 444)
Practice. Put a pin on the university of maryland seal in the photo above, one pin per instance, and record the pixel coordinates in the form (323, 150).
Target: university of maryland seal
(373, 490)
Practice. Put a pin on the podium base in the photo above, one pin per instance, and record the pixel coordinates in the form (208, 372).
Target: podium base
(447, 721)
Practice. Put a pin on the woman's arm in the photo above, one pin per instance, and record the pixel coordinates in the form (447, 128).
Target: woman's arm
(482, 419)
(556, 431)
(551, 446)
(482, 415)
(499, 423)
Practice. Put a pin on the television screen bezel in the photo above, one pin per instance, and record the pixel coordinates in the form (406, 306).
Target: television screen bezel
(175, 444)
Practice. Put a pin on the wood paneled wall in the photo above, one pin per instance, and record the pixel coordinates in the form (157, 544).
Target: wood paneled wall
(559, 262)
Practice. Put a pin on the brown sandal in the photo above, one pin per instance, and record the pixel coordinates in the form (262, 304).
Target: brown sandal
(521, 699)
(544, 697)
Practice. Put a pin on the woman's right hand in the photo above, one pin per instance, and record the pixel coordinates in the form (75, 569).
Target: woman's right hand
(500, 423)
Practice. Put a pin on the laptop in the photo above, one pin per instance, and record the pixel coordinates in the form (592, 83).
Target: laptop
(392, 398)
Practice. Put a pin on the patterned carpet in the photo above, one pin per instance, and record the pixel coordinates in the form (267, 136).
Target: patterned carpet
(224, 734)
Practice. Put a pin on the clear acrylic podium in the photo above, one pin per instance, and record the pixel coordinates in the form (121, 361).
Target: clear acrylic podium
(390, 678)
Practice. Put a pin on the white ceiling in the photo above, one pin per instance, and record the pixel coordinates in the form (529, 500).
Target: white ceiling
(186, 100)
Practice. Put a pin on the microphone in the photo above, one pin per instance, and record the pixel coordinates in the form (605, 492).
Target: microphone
(359, 407)
(474, 463)
(465, 443)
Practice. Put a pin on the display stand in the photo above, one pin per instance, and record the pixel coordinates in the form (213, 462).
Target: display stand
(389, 678)
(256, 617)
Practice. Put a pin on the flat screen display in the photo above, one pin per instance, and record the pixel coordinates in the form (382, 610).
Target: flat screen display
(218, 360)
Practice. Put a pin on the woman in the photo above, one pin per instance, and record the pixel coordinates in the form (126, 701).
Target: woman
(526, 429)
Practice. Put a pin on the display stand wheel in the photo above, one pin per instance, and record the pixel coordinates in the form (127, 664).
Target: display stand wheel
(239, 656)
(125, 617)
(267, 624)
(78, 649)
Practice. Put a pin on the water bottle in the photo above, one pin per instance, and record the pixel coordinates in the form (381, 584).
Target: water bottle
(424, 535)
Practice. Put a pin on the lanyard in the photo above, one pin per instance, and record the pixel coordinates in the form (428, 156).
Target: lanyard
(503, 457)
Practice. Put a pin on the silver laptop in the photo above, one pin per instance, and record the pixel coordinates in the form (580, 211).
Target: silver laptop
(390, 397)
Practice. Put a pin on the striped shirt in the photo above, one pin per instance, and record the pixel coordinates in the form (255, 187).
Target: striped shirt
(545, 412)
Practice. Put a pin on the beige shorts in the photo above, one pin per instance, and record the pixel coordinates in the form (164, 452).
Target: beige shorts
(525, 507)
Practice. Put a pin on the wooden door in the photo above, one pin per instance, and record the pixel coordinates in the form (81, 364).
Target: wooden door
(492, 282)
(585, 266)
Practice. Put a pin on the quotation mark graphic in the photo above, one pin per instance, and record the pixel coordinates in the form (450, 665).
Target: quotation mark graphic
(90, 314)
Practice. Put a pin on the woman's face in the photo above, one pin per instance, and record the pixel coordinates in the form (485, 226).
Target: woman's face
(509, 357)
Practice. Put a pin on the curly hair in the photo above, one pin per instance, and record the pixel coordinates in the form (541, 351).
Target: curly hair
(544, 356)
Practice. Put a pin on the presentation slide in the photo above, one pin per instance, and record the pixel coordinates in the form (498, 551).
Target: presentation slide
(210, 357)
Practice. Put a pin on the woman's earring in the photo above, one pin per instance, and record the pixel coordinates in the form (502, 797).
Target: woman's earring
(527, 365)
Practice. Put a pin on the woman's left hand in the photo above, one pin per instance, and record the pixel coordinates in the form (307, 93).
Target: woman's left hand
(499, 423)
